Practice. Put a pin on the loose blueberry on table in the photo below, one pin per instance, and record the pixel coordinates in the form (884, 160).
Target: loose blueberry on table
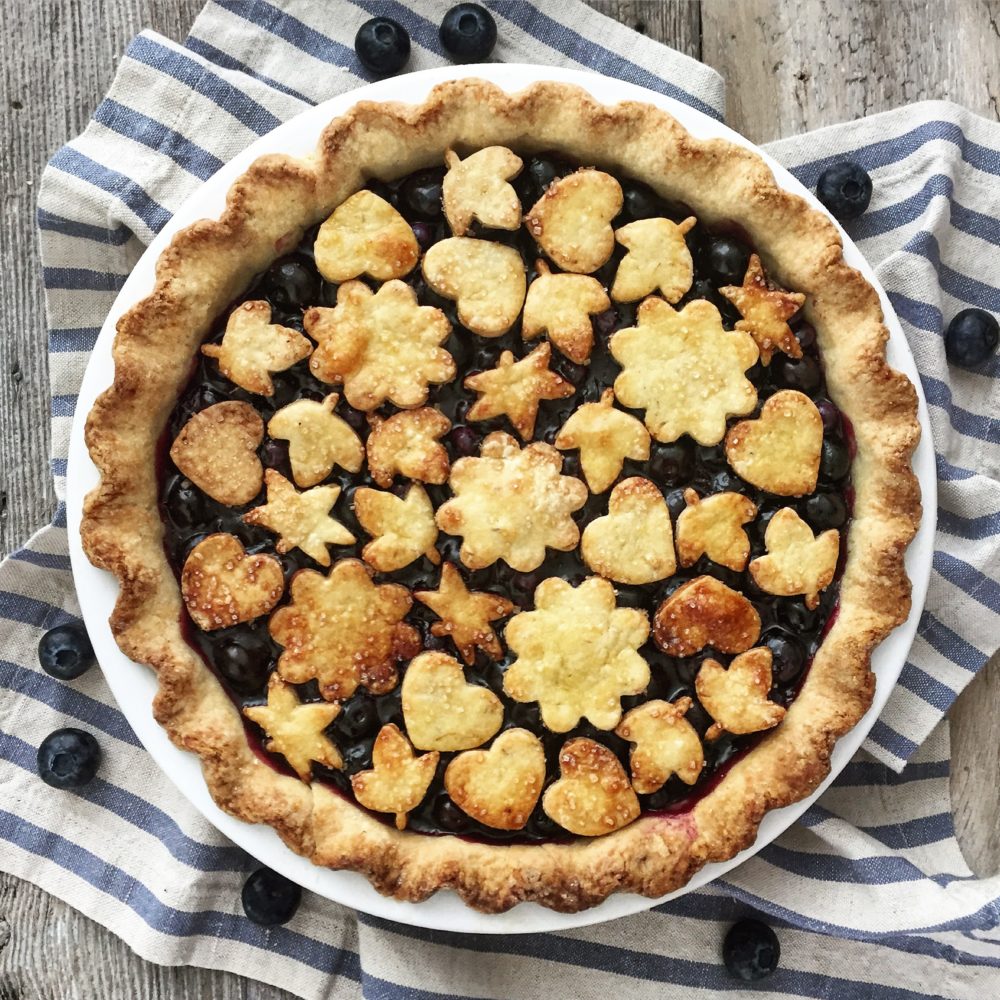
(971, 337)
(270, 899)
(468, 32)
(382, 45)
(845, 189)
(65, 652)
(751, 950)
(68, 758)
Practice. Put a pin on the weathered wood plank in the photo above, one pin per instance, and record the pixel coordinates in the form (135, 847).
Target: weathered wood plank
(676, 22)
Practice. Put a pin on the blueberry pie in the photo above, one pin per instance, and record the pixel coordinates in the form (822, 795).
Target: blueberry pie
(509, 497)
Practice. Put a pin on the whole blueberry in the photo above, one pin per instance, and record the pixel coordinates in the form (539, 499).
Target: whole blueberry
(604, 323)
(676, 502)
(468, 32)
(68, 758)
(422, 193)
(448, 816)
(796, 616)
(805, 334)
(751, 950)
(671, 464)
(274, 454)
(424, 234)
(270, 899)
(382, 45)
(542, 172)
(845, 189)
(971, 337)
(291, 283)
(787, 657)
(802, 373)
(185, 504)
(65, 652)
(829, 414)
(640, 201)
(835, 460)
(728, 259)
(245, 663)
(825, 511)
(464, 441)
(359, 718)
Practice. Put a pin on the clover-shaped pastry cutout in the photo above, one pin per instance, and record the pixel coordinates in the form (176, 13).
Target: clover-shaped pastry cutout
(658, 258)
(571, 222)
(252, 347)
(223, 585)
(737, 697)
(500, 786)
(705, 612)
(406, 444)
(634, 542)
(561, 305)
(605, 437)
(511, 504)
(398, 780)
(684, 370)
(516, 388)
(592, 795)
(217, 450)
(477, 188)
(665, 744)
(797, 562)
(343, 631)
(780, 450)
(576, 654)
(485, 280)
(295, 729)
(301, 520)
(766, 312)
(713, 526)
(365, 235)
(317, 439)
(465, 615)
(403, 528)
(442, 711)
(380, 345)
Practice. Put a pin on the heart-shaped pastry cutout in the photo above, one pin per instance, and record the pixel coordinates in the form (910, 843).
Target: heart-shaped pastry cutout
(665, 743)
(572, 221)
(593, 795)
(485, 280)
(365, 235)
(444, 712)
(780, 450)
(737, 697)
(705, 612)
(317, 439)
(222, 585)
(477, 188)
(634, 542)
(217, 450)
(499, 786)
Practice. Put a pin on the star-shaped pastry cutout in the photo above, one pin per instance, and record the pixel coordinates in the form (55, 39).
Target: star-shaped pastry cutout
(302, 520)
(465, 614)
(403, 528)
(516, 388)
(295, 729)
(765, 312)
(658, 258)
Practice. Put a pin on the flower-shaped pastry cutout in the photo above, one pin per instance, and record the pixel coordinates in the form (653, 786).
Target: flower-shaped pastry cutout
(343, 631)
(797, 562)
(398, 780)
(301, 520)
(477, 188)
(766, 312)
(317, 439)
(485, 280)
(593, 795)
(252, 347)
(465, 615)
(223, 585)
(296, 729)
(605, 437)
(713, 526)
(684, 370)
(577, 654)
(365, 235)
(499, 786)
(705, 612)
(572, 221)
(380, 346)
(736, 697)
(780, 450)
(516, 388)
(217, 450)
(511, 504)
(634, 542)
(442, 711)
(561, 305)
(406, 444)
(658, 258)
(403, 529)
(665, 744)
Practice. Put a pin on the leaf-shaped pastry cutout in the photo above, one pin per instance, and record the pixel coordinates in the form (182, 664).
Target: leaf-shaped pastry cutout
(737, 698)
(665, 744)
(406, 444)
(317, 439)
(477, 188)
(658, 258)
(713, 526)
(705, 612)
(403, 528)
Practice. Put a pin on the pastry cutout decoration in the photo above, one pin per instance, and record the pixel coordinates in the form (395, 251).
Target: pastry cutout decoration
(705, 612)
(406, 444)
(217, 450)
(658, 259)
(403, 528)
(317, 439)
(737, 697)
(477, 188)
(664, 744)
(713, 526)
(252, 347)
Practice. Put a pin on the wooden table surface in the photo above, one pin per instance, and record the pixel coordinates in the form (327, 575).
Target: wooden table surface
(789, 66)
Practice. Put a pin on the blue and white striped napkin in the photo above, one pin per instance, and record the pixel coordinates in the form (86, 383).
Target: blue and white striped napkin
(875, 864)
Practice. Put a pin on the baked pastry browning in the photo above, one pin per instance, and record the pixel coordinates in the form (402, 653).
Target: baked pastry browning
(406, 444)
(318, 439)
(737, 697)
(665, 743)
(705, 612)
(477, 188)
(658, 259)
(714, 526)
(797, 562)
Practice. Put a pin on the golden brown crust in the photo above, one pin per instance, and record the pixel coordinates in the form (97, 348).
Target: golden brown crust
(209, 263)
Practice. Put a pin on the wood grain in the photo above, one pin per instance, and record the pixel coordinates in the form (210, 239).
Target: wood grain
(790, 66)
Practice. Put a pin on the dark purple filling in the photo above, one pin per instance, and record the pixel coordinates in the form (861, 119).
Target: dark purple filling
(244, 656)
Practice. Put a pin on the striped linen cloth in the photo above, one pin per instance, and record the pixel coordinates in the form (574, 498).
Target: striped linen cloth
(869, 893)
